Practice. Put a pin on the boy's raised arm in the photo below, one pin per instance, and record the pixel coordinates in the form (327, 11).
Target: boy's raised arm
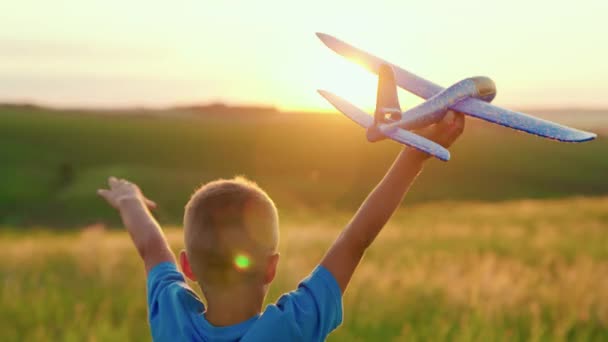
(145, 232)
(346, 252)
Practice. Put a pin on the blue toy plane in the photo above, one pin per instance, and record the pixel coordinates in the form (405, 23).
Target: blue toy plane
(471, 96)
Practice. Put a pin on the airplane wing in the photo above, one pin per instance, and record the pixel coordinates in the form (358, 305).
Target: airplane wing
(471, 106)
(357, 115)
(400, 135)
(520, 121)
(404, 79)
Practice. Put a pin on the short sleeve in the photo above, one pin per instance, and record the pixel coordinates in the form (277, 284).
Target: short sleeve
(315, 306)
(159, 279)
(167, 289)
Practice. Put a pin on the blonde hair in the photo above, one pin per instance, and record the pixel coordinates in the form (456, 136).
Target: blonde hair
(231, 227)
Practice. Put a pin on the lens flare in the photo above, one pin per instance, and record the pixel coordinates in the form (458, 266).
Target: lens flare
(242, 262)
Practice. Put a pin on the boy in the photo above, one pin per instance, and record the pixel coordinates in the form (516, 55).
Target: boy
(231, 238)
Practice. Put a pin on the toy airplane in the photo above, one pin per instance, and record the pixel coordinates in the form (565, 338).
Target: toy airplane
(471, 96)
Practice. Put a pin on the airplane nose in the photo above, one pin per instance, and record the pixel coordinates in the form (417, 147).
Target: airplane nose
(485, 88)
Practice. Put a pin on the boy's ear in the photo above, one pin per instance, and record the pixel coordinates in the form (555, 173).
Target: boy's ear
(185, 265)
(271, 268)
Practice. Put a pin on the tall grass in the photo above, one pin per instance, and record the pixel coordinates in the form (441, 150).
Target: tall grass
(519, 270)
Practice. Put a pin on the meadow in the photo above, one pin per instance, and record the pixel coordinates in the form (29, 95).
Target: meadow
(51, 162)
(528, 270)
(507, 241)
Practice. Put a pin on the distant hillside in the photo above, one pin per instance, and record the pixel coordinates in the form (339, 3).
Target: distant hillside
(195, 109)
(221, 108)
(21, 106)
(577, 117)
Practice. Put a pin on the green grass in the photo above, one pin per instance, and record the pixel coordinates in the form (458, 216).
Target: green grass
(533, 270)
(507, 241)
(51, 163)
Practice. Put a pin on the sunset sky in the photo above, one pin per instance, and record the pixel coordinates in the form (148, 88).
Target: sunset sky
(543, 53)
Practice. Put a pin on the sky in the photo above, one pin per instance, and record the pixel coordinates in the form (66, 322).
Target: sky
(110, 53)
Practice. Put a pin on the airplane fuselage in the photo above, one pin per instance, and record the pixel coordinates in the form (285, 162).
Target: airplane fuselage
(433, 109)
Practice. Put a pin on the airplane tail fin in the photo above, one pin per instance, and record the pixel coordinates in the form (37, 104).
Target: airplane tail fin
(387, 102)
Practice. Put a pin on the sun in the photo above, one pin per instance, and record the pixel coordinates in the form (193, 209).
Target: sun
(348, 80)
(293, 82)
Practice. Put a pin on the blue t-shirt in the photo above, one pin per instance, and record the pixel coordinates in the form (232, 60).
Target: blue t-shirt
(309, 313)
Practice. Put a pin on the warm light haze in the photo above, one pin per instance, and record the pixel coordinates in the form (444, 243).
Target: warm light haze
(541, 54)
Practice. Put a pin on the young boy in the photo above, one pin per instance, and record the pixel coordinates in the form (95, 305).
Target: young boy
(231, 238)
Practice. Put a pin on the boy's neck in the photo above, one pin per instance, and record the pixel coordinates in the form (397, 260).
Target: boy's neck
(234, 306)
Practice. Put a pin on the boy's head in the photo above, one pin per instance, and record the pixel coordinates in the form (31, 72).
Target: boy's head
(231, 235)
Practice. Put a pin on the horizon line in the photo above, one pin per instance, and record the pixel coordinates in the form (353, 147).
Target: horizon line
(242, 105)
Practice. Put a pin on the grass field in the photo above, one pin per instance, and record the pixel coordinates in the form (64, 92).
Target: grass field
(507, 241)
(52, 162)
(518, 270)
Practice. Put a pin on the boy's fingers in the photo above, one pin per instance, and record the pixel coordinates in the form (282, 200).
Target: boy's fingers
(445, 131)
(112, 181)
(449, 118)
(458, 120)
(435, 131)
(150, 204)
(104, 193)
(457, 125)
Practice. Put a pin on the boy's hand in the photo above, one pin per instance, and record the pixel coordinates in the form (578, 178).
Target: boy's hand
(445, 132)
(145, 232)
(122, 190)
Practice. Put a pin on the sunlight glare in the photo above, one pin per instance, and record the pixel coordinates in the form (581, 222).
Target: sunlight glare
(346, 80)
(349, 80)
